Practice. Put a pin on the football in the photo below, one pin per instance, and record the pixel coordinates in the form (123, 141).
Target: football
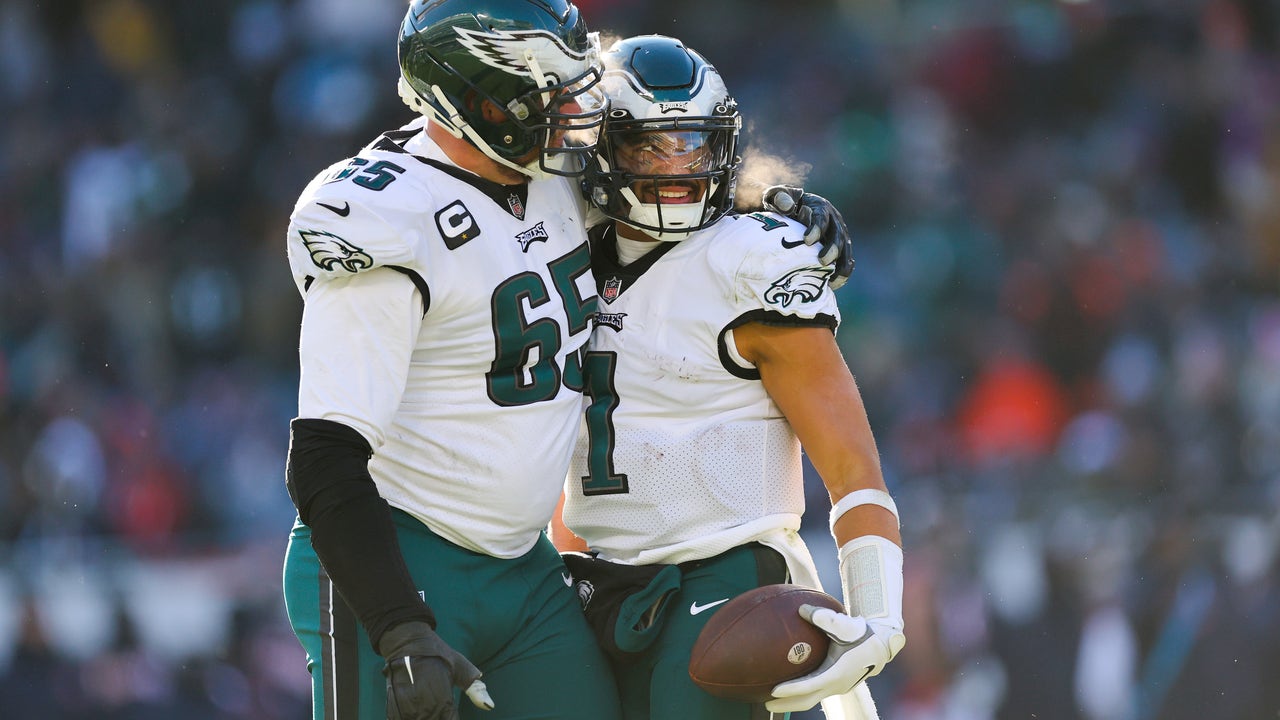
(758, 640)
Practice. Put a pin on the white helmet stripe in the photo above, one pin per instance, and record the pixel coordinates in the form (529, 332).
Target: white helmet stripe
(509, 51)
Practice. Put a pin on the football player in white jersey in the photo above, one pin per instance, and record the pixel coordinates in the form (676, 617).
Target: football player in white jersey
(447, 288)
(711, 362)
(447, 295)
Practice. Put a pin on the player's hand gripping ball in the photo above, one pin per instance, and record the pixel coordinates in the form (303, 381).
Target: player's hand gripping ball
(758, 640)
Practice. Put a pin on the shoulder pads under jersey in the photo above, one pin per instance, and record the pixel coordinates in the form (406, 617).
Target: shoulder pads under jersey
(774, 270)
(358, 214)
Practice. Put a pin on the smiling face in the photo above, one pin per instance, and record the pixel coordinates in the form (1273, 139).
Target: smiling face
(667, 161)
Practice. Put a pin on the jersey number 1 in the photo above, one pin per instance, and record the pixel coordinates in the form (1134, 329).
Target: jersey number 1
(598, 369)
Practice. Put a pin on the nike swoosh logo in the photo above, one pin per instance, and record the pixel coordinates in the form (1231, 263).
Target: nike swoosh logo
(568, 579)
(695, 608)
(792, 243)
(343, 211)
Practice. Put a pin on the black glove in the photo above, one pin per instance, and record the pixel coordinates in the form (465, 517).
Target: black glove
(421, 672)
(822, 222)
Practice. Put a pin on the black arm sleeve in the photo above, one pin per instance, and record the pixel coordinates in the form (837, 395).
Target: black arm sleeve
(351, 527)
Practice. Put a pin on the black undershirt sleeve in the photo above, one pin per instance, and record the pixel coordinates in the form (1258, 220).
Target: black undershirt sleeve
(351, 527)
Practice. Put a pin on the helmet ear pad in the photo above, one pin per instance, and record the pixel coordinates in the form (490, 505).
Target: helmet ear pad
(496, 125)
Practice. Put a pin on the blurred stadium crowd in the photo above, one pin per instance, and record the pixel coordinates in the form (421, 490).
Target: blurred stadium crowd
(1065, 321)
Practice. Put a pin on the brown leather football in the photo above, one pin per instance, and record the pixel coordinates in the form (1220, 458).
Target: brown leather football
(758, 640)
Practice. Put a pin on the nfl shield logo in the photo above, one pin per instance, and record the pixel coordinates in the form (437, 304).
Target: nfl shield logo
(612, 287)
(517, 207)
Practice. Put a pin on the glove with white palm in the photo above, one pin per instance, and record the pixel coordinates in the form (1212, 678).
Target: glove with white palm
(862, 641)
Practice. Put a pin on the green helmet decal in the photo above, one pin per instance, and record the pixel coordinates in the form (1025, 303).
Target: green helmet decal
(533, 61)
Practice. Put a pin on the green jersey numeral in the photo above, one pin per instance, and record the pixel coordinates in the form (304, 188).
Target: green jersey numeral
(524, 369)
(598, 368)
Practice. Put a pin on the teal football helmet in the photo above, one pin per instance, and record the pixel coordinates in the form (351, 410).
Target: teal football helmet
(532, 60)
(667, 158)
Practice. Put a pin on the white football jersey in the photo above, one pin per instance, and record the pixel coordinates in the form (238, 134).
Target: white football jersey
(472, 401)
(683, 454)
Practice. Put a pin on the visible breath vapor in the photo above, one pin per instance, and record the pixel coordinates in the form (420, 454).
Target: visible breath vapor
(760, 169)
(607, 39)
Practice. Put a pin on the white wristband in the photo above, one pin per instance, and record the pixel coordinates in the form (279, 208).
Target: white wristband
(867, 496)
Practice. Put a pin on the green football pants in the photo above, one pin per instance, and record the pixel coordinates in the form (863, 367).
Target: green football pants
(517, 620)
(656, 685)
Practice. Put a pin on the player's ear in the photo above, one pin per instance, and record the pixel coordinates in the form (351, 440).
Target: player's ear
(472, 99)
(491, 112)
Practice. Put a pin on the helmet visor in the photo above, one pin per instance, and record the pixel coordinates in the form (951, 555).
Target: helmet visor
(669, 152)
(576, 104)
(670, 177)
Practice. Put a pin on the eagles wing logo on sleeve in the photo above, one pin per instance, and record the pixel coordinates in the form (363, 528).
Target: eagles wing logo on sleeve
(328, 250)
(805, 285)
(504, 50)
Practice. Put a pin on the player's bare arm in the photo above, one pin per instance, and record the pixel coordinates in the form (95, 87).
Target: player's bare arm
(799, 367)
(804, 373)
(561, 536)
